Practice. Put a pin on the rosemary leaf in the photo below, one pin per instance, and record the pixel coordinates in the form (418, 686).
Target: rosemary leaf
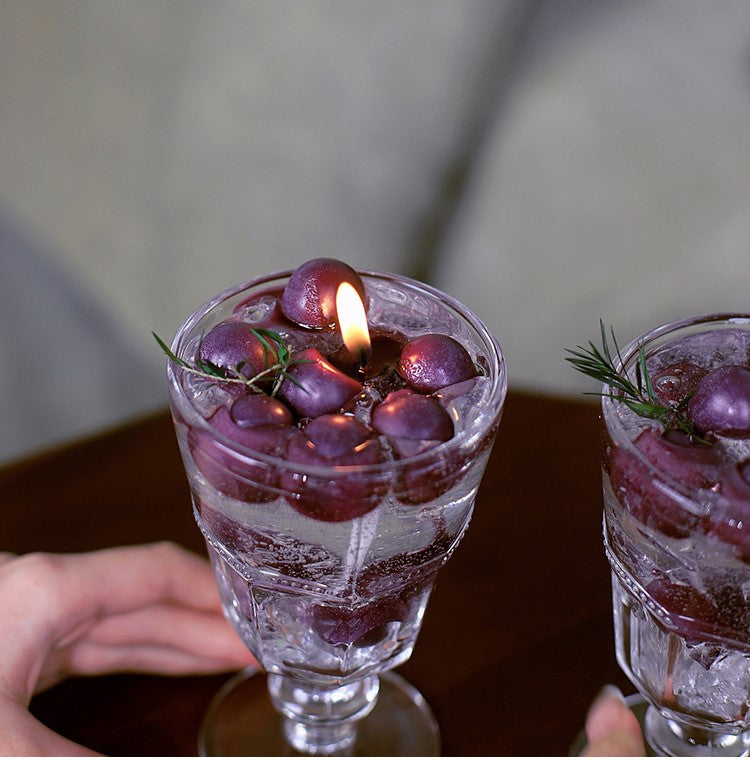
(639, 396)
(274, 373)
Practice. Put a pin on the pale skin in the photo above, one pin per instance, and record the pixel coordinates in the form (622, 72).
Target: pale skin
(611, 728)
(151, 608)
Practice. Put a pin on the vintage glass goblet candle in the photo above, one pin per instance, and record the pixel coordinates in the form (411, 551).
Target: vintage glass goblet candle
(676, 480)
(334, 427)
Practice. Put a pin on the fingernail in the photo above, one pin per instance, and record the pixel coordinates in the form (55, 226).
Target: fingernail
(610, 691)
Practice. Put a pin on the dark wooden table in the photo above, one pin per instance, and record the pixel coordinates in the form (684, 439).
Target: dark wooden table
(517, 638)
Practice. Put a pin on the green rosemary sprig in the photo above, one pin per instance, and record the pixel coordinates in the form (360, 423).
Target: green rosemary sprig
(277, 357)
(638, 396)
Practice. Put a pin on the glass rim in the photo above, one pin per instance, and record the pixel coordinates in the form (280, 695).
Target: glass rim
(469, 438)
(625, 357)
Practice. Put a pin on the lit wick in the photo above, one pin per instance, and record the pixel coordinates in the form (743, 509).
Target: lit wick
(353, 323)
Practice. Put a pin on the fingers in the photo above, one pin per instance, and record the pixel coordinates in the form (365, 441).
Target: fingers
(611, 727)
(197, 633)
(94, 659)
(63, 591)
(162, 639)
(52, 600)
(112, 581)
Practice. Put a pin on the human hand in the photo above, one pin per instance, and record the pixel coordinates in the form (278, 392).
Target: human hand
(612, 729)
(152, 608)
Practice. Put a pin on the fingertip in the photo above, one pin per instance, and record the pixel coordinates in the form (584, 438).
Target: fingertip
(605, 706)
(611, 727)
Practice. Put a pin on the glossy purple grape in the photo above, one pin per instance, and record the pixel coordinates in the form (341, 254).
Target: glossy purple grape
(674, 383)
(430, 362)
(730, 520)
(309, 298)
(688, 464)
(721, 402)
(420, 566)
(233, 473)
(690, 613)
(230, 344)
(258, 411)
(452, 393)
(424, 481)
(336, 435)
(262, 310)
(320, 388)
(416, 424)
(361, 626)
(334, 441)
(409, 415)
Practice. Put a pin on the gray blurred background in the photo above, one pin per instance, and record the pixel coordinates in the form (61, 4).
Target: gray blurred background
(549, 162)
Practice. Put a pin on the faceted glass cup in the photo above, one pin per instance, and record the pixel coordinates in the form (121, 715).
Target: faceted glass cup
(680, 572)
(327, 606)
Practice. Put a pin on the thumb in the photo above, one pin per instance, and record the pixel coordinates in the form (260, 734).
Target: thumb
(22, 734)
(611, 727)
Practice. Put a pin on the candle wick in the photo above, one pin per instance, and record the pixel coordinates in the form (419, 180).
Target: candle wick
(364, 359)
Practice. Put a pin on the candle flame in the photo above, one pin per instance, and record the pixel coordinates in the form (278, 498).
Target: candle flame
(353, 321)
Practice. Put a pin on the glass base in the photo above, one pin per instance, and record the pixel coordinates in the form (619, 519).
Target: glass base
(241, 720)
(665, 738)
(671, 738)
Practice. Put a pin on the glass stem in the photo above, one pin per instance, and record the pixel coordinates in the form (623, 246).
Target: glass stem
(322, 720)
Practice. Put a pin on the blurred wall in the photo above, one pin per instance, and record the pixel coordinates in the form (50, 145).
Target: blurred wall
(546, 162)
(614, 181)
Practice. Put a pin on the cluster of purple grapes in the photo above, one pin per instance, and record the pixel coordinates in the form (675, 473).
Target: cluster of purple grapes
(717, 402)
(311, 420)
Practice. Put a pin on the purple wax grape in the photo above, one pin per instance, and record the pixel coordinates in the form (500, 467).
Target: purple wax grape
(233, 473)
(430, 362)
(319, 388)
(386, 576)
(335, 441)
(692, 465)
(258, 410)
(454, 392)
(230, 344)
(360, 626)
(721, 402)
(430, 477)
(335, 435)
(309, 298)
(415, 424)
(690, 613)
(409, 415)
(730, 520)
(262, 311)
(673, 384)
(406, 448)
